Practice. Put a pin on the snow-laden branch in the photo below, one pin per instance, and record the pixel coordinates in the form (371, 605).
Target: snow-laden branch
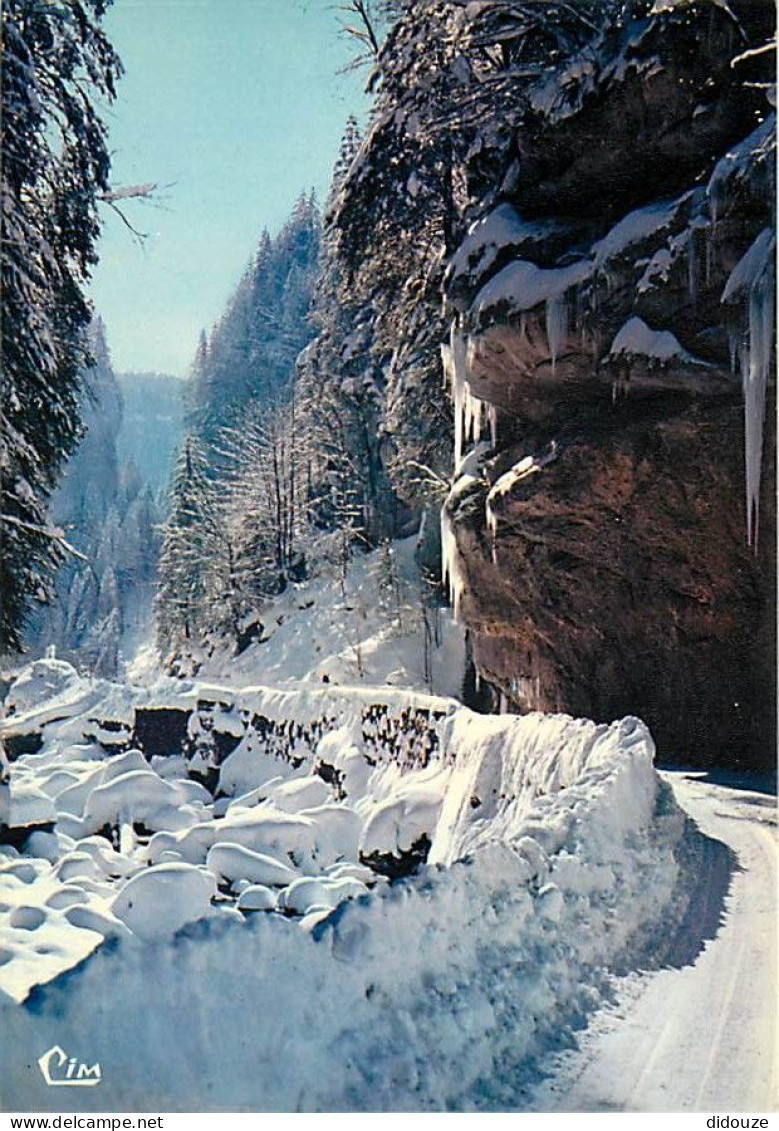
(754, 52)
(128, 192)
(55, 534)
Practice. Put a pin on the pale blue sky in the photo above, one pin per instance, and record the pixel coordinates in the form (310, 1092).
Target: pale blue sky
(241, 104)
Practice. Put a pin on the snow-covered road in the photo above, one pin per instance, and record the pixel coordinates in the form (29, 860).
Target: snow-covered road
(700, 1036)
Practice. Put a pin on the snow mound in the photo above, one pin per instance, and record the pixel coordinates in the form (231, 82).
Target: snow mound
(139, 795)
(231, 862)
(257, 897)
(49, 680)
(26, 807)
(158, 902)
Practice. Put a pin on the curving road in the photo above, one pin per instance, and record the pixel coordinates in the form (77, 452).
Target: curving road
(699, 1036)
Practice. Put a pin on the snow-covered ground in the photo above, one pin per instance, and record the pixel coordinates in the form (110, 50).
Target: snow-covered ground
(319, 897)
(362, 626)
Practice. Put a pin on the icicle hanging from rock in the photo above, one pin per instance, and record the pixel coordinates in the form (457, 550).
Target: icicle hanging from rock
(753, 279)
(469, 417)
(734, 343)
(556, 325)
(451, 564)
(693, 269)
(755, 379)
(469, 411)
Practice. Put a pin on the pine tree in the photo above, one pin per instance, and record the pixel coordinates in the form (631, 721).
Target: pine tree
(267, 502)
(340, 393)
(183, 558)
(56, 64)
(221, 557)
(198, 596)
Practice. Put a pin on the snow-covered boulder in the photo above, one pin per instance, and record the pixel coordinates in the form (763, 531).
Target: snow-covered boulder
(398, 825)
(300, 793)
(157, 902)
(257, 897)
(26, 807)
(285, 836)
(337, 832)
(232, 862)
(42, 680)
(248, 768)
(308, 894)
(135, 796)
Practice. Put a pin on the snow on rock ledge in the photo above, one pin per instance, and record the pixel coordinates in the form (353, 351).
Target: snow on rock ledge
(635, 339)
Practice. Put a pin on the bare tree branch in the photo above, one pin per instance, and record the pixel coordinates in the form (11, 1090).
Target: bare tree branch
(365, 34)
(141, 237)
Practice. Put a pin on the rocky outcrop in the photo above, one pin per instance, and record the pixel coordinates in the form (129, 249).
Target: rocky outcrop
(612, 546)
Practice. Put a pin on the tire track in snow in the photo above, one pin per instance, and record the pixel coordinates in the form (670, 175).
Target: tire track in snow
(700, 1036)
(726, 1007)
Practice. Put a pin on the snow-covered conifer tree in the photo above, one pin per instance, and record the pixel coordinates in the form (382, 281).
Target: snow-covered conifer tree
(184, 557)
(57, 63)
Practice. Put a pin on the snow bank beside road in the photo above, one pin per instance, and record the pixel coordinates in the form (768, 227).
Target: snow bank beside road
(276, 918)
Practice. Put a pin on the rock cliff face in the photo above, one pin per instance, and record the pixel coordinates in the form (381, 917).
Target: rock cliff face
(612, 545)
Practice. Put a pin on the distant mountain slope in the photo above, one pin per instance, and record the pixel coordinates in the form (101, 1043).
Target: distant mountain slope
(152, 423)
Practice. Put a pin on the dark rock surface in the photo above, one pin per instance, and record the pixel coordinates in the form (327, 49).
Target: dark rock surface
(160, 731)
(611, 574)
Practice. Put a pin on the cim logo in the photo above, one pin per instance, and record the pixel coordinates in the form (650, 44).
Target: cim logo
(63, 1071)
